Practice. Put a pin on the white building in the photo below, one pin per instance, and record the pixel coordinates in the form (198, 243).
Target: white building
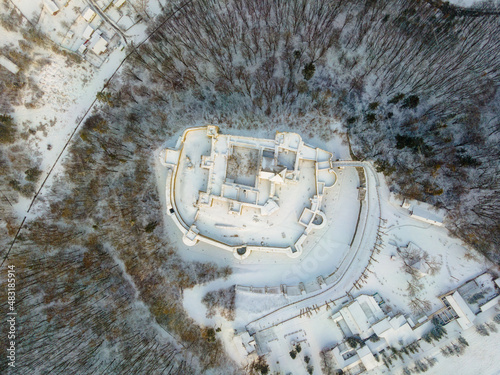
(466, 316)
(363, 335)
(364, 319)
(424, 212)
(97, 43)
(358, 316)
(88, 14)
(475, 296)
(82, 49)
(245, 344)
(354, 360)
(51, 7)
(118, 3)
(87, 33)
(100, 46)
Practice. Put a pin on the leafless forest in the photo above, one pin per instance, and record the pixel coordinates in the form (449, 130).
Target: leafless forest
(413, 83)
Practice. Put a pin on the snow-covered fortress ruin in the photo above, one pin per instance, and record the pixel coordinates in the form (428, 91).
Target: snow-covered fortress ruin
(245, 194)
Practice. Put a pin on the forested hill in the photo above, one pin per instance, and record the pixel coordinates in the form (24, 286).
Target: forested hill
(415, 87)
(414, 83)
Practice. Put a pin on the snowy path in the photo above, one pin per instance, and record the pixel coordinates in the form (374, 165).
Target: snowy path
(363, 164)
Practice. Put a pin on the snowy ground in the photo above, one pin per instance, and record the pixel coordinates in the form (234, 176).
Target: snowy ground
(479, 357)
(68, 93)
(390, 280)
(348, 182)
(282, 228)
(68, 89)
(317, 332)
(280, 314)
(330, 243)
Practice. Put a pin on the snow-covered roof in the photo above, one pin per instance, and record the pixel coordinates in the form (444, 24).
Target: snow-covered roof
(478, 291)
(343, 360)
(466, 316)
(97, 43)
(88, 32)
(367, 358)
(392, 330)
(421, 266)
(82, 48)
(359, 315)
(412, 246)
(355, 318)
(88, 15)
(425, 212)
(371, 307)
(119, 3)
(277, 179)
(406, 204)
(244, 343)
(100, 46)
(9, 65)
(51, 6)
(491, 303)
(382, 326)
